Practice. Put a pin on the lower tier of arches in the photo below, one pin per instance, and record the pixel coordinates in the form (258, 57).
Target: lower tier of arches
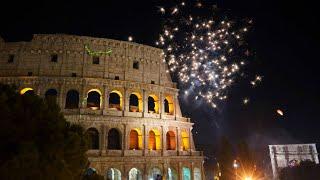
(150, 168)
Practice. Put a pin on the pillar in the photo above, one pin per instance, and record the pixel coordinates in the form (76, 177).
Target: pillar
(103, 139)
(163, 138)
(124, 138)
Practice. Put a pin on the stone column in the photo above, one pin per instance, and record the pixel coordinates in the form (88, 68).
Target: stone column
(127, 100)
(62, 96)
(163, 134)
(145, 103)
(124, 99)
(83, 97)
(175, 101)
(178, 135)
(160, 101)
(180, 175)
(192, 171)
(124, 139)
(190, 140)
(144, 139)
(103, 140)
(106, 98)
(161, 105)
(103, 98)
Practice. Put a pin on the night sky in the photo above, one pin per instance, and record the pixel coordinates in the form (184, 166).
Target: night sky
(284, 40)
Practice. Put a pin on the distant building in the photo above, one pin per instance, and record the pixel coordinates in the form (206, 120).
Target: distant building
(290, 155)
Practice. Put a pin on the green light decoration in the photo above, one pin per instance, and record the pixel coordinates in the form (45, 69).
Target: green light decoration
(96, 53)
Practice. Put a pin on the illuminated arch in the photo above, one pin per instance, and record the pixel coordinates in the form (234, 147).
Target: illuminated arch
(186, 174)
(171, 140)
(115, 100)
(135, 102)
(114, 139)
(172, 174)
(168, 105)
(27, 90)
(153, 104)
(135, 174)
(196, 174)
(155, 173)
(93, 138)
(135, 139)
(113, 174)
(94, 99)
(154, 140)
(185, 140)
(72, 99)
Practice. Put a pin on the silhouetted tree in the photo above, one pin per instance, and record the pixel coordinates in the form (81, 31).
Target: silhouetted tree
(245, 155)
(36, 140)
(225, 159)
(304, 171)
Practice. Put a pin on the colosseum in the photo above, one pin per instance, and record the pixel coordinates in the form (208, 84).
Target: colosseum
(120, 92)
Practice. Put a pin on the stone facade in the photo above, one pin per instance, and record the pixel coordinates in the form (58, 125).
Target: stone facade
(288, 154)
(128, 92)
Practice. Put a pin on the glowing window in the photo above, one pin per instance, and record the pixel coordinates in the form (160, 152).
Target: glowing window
(185, 140)
(155, 173)
(168, 105)
(172, 174)
(94, 99)
(171, 140)
(135, 140)
(196, 174)
(186, 175)
(135, 174)
(115, 100)
(113, 174)
(153, 104)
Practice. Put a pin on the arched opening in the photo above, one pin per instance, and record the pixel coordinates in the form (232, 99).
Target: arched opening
(196, 174)
(93, 138)
(113, 174)
(153, 104)
(28, 91)
(186, 175)
(154, 140)
(135, 139)
(51, 94)
(135, 102)
(155, 174)
(115, 100)
(135, 174)
(172, 174)
(72, 99)
(168, 105)
(94, 99)
(171, 140)
(114, 139)
(185, 140)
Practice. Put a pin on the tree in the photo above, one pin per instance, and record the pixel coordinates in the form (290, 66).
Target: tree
(36, 140)
(245, 156)
(225, 159)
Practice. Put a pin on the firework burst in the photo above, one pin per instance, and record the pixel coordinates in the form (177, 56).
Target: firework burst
(203, 50)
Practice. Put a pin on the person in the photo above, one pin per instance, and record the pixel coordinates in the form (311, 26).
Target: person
(158, 177)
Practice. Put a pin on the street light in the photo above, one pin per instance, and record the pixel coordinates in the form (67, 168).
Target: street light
(248, 178)
(235, 166)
